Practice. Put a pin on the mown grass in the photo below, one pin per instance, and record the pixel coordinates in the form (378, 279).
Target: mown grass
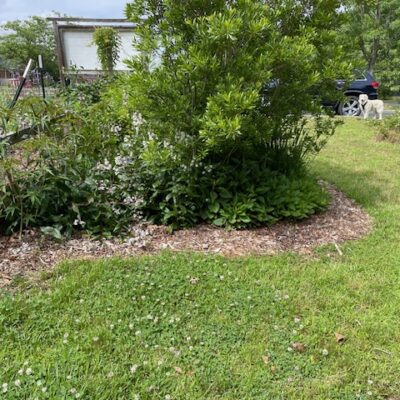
(201, 327)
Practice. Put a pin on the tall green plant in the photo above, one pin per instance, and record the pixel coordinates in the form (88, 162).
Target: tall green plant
(231, 75)
(108, 43)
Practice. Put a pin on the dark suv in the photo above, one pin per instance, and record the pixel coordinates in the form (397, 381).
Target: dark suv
(363, 84)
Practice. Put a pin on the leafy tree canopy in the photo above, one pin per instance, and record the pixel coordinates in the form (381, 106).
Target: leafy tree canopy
(27, 39)
(372, 36)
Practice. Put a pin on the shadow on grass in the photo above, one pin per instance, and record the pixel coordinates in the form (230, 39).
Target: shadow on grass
(366, 187)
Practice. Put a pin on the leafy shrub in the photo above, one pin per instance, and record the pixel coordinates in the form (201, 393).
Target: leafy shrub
(389, 128)
(51, 181)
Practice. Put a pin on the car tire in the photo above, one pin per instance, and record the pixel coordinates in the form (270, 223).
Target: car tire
(350, 107)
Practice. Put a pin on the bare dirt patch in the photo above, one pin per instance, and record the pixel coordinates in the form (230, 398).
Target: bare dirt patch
(344, 220)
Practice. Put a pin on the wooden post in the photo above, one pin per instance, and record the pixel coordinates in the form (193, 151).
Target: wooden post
(59, 50)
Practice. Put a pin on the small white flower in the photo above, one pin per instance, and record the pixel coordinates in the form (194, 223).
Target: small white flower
(44, 389)
(73, 391)
(21, 371)
(111, 326)
(66, 335)
(39, 383)
(325, 352)
(78, 321)
(26, 363)
(134, 368)
(286, 296)
(297, 320)
(168, 397)
(110, 374)
(77, 395)
(369, 393)
(69, 377)
(221, 277)
(96, 339)
(17, 383)
(131, 326)
(138, 333)
(4, 385)
(290, 349)
(370, 382)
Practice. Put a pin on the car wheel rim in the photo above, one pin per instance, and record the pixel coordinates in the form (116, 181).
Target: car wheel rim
(351, 107)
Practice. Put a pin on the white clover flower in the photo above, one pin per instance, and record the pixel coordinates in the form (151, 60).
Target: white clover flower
(134, 368)
(17, 383)
(131, 326)
(369, 393)
(73, 391)
(96, 339)
(370, 382)
(325, 352)
(111, 326)
(44, 389)
(69, 377)
(110, 374)
(4, 387)
(21, 371)
(138, 333)
(290, 349)
(297, 320)
(77, 395)
(26, 363)
(168, 397)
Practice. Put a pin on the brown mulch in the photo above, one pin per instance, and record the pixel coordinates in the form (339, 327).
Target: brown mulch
(344, 220)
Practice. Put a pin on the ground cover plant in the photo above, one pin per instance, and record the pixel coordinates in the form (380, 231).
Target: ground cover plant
(204, 327)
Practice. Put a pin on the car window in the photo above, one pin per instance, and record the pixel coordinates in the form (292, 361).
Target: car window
(360, 76)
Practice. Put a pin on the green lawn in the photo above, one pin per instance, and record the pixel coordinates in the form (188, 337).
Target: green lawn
(198, 327)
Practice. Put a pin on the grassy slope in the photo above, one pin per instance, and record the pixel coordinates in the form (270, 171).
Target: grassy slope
(239, 311)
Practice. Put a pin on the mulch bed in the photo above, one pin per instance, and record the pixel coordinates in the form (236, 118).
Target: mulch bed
(344, 220)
